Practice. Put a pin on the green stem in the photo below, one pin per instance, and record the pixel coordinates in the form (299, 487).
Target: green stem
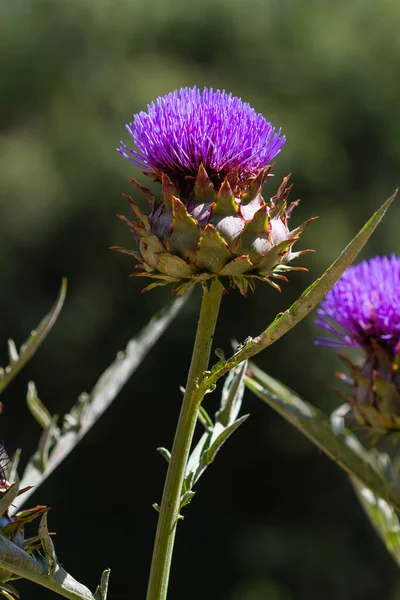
(170, 505)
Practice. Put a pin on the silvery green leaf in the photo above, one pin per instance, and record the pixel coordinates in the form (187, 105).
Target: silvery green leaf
(12, 352)
(196, 464)
(337, 442)
(102, 590)
(27, 350)
(205, 419)
(37, 408)
(47, 439)
(186, 498)
(73, 420)
(216, 434)
(48, 546)
(165, 453)
(220, 435)
(232, 395)
(382, 516)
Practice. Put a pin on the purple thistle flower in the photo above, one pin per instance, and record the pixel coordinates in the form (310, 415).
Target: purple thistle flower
(363, 310)
(187, 128)
(364, 306)
(211, 152)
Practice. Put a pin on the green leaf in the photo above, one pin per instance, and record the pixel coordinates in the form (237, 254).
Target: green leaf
(216, 434)
(102, 590)
(37, 408)
(48, 546)
(27, 350)
(205, 419)
(89, 407)
(305, 304)
(221, 438)
(165, 453)
(337, 443)
(382, 516)
(196, 464)
(46, 443)
(21, 564)
(187, 498)
(232, 395)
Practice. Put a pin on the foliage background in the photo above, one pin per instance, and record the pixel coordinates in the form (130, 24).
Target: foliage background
(273, 519)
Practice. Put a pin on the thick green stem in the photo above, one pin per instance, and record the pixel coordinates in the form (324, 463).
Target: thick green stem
(170, 505)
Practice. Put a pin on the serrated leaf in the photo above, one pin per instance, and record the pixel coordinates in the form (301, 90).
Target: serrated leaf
(28, 349)
(338, 443)
(104, 392)
(216, 434)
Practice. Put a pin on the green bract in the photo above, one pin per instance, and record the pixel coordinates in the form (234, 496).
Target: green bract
(374, 394)
(208, 229)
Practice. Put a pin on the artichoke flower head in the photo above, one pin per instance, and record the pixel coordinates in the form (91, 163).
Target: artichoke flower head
(363, 310)
(211, 152)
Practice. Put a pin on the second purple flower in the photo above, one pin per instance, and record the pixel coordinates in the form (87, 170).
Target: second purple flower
(363, 310)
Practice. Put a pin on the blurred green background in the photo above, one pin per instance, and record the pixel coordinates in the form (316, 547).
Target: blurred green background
(273, 518)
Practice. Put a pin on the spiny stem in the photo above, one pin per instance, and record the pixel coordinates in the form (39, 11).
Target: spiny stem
(170, 505)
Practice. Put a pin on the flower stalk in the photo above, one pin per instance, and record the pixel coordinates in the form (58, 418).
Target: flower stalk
(171, 500)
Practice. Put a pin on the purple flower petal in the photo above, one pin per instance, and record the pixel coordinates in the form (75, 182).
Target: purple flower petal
(364, 304)
(187, 128)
